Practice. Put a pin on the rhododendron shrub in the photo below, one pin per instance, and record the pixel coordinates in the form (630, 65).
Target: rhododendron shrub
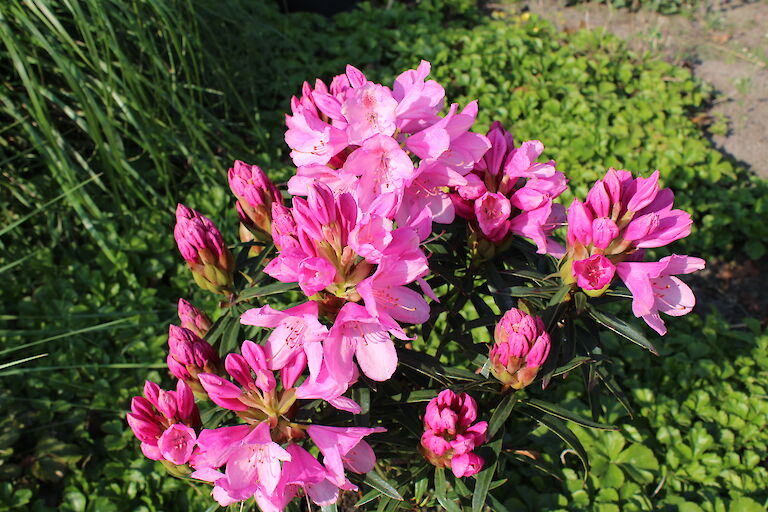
(400, 307)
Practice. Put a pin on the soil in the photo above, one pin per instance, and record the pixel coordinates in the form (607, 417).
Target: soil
(724, 42)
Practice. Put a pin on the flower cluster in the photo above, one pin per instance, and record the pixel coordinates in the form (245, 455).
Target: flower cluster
(608, 235)
(508, 192)
(450, 433)
(522, 345)
(376, 168)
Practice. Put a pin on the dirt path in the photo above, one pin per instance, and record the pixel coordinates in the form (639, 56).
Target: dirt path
(726, 47)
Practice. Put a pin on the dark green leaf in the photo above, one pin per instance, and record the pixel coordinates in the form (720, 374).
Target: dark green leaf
(565, 414)
(381, 484)
(562, 431)
(368, 497)
(622, 328)
(484, 479)
(262, 291)
(500, 415)
(440, 492)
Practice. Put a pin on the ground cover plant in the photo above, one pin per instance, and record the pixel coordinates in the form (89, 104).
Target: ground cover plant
(64, 443)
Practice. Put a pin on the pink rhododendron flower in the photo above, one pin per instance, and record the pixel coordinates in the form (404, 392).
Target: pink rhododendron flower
(356, 332)
(330, 386)
(521, 346)
(383, 167)
(593, 273)
(450, 433)
(338, 446)
(655, 288)
(297, 331)
(164, 422)
(621, 216)
(252, 466)
(369, 110)
(492, 211)
(312, 140)
(418, 101)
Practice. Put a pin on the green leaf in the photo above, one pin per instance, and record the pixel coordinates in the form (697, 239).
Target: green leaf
(500, 415)
(263, 291)
(440, 488)
(562, 431)
(382, 485)
(484, 479)
(368, 497)
(572, 365)
(638, 456)
(565, 414)
(622, 328)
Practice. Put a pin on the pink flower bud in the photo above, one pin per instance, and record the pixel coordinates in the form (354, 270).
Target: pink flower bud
(604, 231)
(189, 355)
(467, 464)
(522, 345)
(315, 274)
(450, 435)
(202, 247)
(193, 319)
(255, 194)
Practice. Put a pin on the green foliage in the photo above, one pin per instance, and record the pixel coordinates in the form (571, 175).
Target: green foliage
(696, 443)
(114, 111)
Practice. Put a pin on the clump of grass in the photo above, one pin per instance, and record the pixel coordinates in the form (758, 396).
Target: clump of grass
(129, 94)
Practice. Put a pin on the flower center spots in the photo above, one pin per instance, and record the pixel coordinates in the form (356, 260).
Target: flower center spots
(296, 330)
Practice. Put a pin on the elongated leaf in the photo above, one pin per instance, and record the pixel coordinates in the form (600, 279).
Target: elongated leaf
(500, 415)
(562, 431)
(496, 505)
(230, 335)
(16, 263)
(565, 414)
(257, 261)
(572, 365)
(484, 478)
(559, 295)
(420, 395)
(21, 361)
(440, 491)
(99, 327)
(527, 274)
(539, 464)
(622, 328)
(368, 497)
(329, 508)
(420, 488)
(43, 207)
(381, 484)
(263, 291)
(544, 292)
(498, 288)
(614, 388)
